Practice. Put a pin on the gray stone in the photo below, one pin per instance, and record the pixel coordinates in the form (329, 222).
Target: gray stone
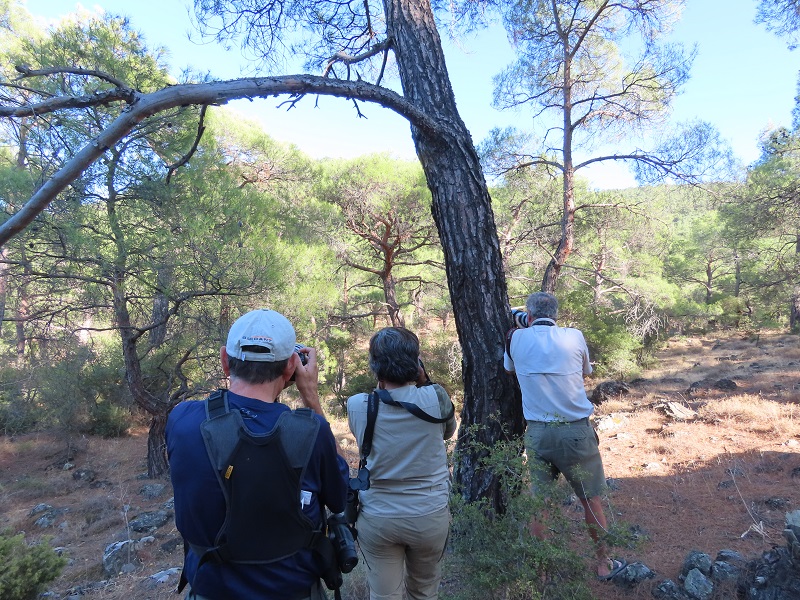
(45, 521)
(608, 390)
(39, 508)
(117, 555)
(162, 578)
(632, 575)
(792, 533)
(669, 590)
(726, 385)
(698, 586)
(731, 556)
(86, 475)
(148, 522)
(170, 546)
(696, 560)
(724, 571)
(152, 490)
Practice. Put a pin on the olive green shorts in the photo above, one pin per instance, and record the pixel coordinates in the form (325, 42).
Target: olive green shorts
(568, 448)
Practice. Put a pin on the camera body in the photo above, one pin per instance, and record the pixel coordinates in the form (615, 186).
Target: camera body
(303, 357)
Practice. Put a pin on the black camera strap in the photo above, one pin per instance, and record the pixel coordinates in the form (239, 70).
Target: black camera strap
(415, 410)
(373, 402)
(372, 415)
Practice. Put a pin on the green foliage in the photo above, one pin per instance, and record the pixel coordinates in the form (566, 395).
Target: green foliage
(441, 354)
(495, 556)
(381, 229)
(71, 390)
(79, 390)
(18, 409)
(109, 420)
(26, 568)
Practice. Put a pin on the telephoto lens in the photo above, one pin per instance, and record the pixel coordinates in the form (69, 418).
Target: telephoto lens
(343, 542)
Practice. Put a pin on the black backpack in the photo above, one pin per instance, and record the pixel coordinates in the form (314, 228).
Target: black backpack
(253, 466)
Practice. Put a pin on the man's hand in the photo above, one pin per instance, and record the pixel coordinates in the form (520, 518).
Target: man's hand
(306, 378)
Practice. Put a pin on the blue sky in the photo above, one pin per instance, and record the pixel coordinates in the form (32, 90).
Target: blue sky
(743, 82)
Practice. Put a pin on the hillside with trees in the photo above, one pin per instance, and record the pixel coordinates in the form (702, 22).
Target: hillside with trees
(140, 217)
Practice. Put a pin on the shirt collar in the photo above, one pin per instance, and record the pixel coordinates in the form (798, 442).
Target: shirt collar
(544, 321)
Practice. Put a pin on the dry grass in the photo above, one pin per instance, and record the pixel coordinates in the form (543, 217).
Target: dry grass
(722, 480)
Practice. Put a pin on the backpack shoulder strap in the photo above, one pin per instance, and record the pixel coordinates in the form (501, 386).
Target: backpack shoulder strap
(217, 404)
(220, 430)
(298, 434)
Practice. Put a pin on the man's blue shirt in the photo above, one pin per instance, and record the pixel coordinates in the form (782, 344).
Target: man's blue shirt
(200, 505)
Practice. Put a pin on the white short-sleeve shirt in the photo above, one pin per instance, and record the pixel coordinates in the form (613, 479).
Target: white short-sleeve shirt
(550, 363)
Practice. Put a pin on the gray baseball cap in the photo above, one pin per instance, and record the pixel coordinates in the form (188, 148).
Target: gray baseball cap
(266, 329)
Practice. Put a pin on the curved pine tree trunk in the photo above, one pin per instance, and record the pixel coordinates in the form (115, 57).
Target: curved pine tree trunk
(463, 215)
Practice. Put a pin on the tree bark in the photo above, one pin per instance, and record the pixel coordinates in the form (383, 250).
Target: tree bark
(392, 306)
(794, 312)
(160, 312)
(157, 464)
(3, 287)
(463, 216)
(21, 316)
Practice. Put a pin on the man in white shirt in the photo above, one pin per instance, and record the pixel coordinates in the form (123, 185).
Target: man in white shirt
(550, 363)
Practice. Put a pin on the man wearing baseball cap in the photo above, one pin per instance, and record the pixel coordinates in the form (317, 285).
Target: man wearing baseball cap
(252, 478)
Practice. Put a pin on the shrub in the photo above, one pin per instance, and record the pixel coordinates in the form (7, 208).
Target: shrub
(109, 420)
(495, 555)
(79, 389)
(18, 410)
(26, 568)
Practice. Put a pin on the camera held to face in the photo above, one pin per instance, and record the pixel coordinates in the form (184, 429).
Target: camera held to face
(303, 357)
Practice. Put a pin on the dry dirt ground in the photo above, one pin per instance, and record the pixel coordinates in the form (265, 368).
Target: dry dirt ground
(720, 474)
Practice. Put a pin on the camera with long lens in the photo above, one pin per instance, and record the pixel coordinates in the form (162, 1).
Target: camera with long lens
(343, 542)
